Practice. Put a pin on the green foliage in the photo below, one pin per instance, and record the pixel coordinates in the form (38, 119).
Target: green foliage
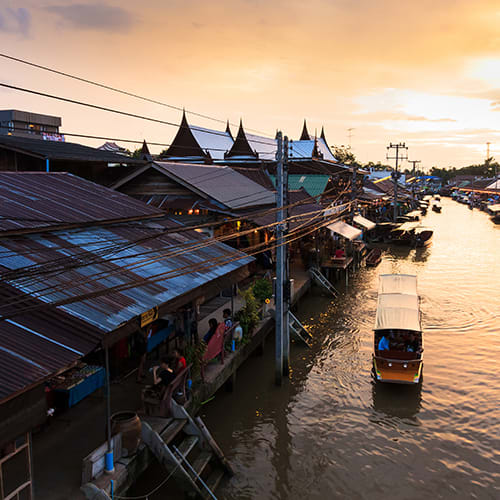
(137, 154)
(194, 354)
(248, 315)
(262, 290)
(486, 169)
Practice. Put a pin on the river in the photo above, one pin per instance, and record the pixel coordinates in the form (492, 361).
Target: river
(331, 432)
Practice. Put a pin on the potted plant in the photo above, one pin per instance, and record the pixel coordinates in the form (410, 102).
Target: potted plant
(248, 315)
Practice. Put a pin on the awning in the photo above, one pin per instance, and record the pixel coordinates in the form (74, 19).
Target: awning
(398, 303)
(344, 230)
(366, 223)
(407, 226)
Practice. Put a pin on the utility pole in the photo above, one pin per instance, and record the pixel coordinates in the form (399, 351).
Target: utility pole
(349, 132)
(282, 284)
(398, 157)
(488, 151)
(287, 294)
(413, 162)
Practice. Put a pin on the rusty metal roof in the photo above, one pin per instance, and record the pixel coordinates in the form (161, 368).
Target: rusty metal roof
(54, 150)
(39, 199)
(37, 344)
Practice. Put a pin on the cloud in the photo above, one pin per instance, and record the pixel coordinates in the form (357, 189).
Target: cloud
(15, 20)
(396, 116)
(93, 16)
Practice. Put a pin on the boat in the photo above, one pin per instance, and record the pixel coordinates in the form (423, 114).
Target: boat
(374, 257)
(437, 197)
(398, 340)
(436, 207)
(411, 234)
(494, 210)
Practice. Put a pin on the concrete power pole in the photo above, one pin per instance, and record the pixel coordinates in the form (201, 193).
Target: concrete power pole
(282, 298)
(413, 162)
(398, 157)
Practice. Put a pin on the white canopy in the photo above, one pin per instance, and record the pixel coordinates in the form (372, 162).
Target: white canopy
(413, 213)
(494, 208)
(407, 226)
(344, 230)
(398, 303)
(366, 223)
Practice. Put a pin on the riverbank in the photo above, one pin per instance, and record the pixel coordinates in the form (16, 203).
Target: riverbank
(71, 436)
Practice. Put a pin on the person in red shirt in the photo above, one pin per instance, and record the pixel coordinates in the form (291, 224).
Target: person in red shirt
(180, 360)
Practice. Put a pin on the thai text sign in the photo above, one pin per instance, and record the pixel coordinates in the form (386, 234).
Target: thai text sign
(149, 316)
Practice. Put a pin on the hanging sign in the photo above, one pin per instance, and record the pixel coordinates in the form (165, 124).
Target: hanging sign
(149, 316)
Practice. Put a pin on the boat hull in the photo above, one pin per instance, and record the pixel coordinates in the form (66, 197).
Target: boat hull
(397, 371)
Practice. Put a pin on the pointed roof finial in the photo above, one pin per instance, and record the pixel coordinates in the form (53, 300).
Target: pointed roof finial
(305, 134)
(241, 146)
(228, 129)
(322, 136)
(145, 154)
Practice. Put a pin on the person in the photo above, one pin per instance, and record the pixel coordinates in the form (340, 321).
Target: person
(228, 321)
(339, 253)
(179, 360)
(383, 344)
(412, 344)
(212, 328)
(163, 374)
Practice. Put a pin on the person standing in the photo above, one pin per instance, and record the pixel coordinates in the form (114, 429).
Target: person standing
(228, 321)
(212, 328)
(179, 361)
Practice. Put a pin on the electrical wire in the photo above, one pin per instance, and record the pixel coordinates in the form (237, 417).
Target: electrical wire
(161, 276)
(116, 111)
(120, 91)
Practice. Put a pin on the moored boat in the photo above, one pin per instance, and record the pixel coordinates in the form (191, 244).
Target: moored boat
(494, 210)
(374, 257)
(436, 207)
(398, 340)
(411, 234)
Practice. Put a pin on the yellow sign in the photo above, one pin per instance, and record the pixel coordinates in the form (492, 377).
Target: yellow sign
(149, 316)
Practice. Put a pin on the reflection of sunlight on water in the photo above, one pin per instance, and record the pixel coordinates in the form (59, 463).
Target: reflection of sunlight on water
(333, 432)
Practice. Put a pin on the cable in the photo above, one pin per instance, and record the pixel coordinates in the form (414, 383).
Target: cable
(186, 269)
(117, 111)
(156, 278)
(120, 91)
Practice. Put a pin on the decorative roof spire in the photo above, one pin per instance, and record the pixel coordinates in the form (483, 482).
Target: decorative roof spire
(228, 130)
(145, 154)
(305, 134)
(322, 136)
(241, 146)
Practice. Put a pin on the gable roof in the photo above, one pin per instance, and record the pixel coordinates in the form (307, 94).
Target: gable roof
(54, 150)
(34, 200)
(308, 149)
(198, 142)
(218, 182)
(304, 136)
(241, 147)
(313, 184)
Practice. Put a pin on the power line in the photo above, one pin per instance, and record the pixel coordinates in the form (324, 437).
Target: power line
(120, 91)
(116, 111)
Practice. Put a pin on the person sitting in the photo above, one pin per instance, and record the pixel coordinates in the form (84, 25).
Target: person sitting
(179, 361)
(339, 253)
(163, 374)
(212, 328)
(383, 344)
(412, 345)
(228, 321)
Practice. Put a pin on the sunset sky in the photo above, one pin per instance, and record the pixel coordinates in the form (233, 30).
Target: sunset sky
(426, 72)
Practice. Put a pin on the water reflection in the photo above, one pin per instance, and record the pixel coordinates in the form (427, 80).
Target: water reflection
(395, 400)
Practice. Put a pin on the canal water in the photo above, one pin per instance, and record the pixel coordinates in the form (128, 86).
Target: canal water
(331, 432)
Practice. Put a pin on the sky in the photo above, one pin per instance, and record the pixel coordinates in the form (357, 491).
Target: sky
(426, 73)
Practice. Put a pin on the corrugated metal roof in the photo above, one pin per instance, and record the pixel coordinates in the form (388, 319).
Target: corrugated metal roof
(41, 199)
(304, 149)
(37, 344)
(220, 183)
(63, 150)
(120, 256)
(313, 184)
(214, 141)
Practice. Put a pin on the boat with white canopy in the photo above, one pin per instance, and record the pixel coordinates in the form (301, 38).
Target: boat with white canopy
(398, 340)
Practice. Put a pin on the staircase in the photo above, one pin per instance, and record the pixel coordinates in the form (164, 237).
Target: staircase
(321, 280)
(298, 329)
(189, 454)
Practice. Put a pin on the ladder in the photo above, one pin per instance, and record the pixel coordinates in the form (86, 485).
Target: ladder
(297, 328)
(321, 280)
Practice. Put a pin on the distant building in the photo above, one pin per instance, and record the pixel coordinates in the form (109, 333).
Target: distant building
(25, 124)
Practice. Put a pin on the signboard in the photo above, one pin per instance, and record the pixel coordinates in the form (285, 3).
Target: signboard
(149, 316)
(53, 137)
